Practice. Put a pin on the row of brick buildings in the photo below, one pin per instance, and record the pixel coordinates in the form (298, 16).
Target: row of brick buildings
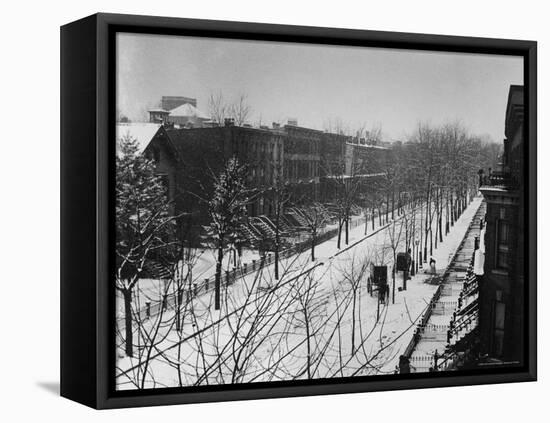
(305, 159)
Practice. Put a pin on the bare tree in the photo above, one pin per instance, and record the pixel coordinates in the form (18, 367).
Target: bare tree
(227, 211)
(240, 110)
(217, 108)
(395, 234)
(316, 218)
(280, 197)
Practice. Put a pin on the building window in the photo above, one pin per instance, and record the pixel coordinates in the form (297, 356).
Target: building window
(498, 340)
(165, 182)
(502, 245)
(155, 154)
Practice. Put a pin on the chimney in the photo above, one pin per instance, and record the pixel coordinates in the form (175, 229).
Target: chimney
(276, 125)
(229, 122)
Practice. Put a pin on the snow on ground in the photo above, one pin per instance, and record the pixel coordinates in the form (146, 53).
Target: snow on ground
(261, 333)
(204, 264)
(204, 267)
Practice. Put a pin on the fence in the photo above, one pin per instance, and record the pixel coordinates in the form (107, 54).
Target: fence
(170, 300)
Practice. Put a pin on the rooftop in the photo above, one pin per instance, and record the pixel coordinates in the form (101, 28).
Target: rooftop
(142, 132)
(380, 147)
(188, 109)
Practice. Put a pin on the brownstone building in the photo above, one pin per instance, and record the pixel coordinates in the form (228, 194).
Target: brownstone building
(203, 153)
(502, 289)
(302, 160)
(305, 160)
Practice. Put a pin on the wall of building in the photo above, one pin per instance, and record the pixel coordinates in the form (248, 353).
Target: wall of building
(502, 288)
(302, 158)
(160, 151)
(171, 102)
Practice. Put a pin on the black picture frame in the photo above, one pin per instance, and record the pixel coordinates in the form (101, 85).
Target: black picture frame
(87, 195)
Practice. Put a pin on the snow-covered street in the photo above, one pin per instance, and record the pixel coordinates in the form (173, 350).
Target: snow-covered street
(317, 320)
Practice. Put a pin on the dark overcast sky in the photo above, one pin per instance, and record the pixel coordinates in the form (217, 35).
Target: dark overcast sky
(315, 84)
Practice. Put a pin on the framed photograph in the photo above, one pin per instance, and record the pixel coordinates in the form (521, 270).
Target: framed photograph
(257, 211)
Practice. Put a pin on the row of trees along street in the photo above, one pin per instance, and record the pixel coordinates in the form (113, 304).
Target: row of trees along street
(248, 332)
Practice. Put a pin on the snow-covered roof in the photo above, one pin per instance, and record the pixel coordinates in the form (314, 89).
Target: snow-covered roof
(188, 110)
(379, 147)
(142, 132)
(357, 176)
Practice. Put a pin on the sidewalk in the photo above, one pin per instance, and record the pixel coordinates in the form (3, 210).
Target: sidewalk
(433, 335)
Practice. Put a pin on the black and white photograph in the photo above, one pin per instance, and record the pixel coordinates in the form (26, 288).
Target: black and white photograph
(294, 211)
(275, 211)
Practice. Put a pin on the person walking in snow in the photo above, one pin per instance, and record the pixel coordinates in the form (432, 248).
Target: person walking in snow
(432, 266)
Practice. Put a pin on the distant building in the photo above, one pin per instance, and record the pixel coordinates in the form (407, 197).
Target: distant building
(293, 121)
(158, 115)
(366, 160)
(187, 115)
(171, 102)
(179, 112)
(502, 288)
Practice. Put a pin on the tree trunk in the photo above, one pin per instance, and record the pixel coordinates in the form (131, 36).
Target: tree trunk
(393, 280)
(392, 204)
(277, 241)
(353, 323)
(387, 205)
(441, 224)
(277, 261)
(179, 299)
(452, 210)
(436, 234)
(421, 232)
(308, 345)
(347, 230)
(426, 229)
(447, 214)
(313, 247)
(218, 277)
(127, 295)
